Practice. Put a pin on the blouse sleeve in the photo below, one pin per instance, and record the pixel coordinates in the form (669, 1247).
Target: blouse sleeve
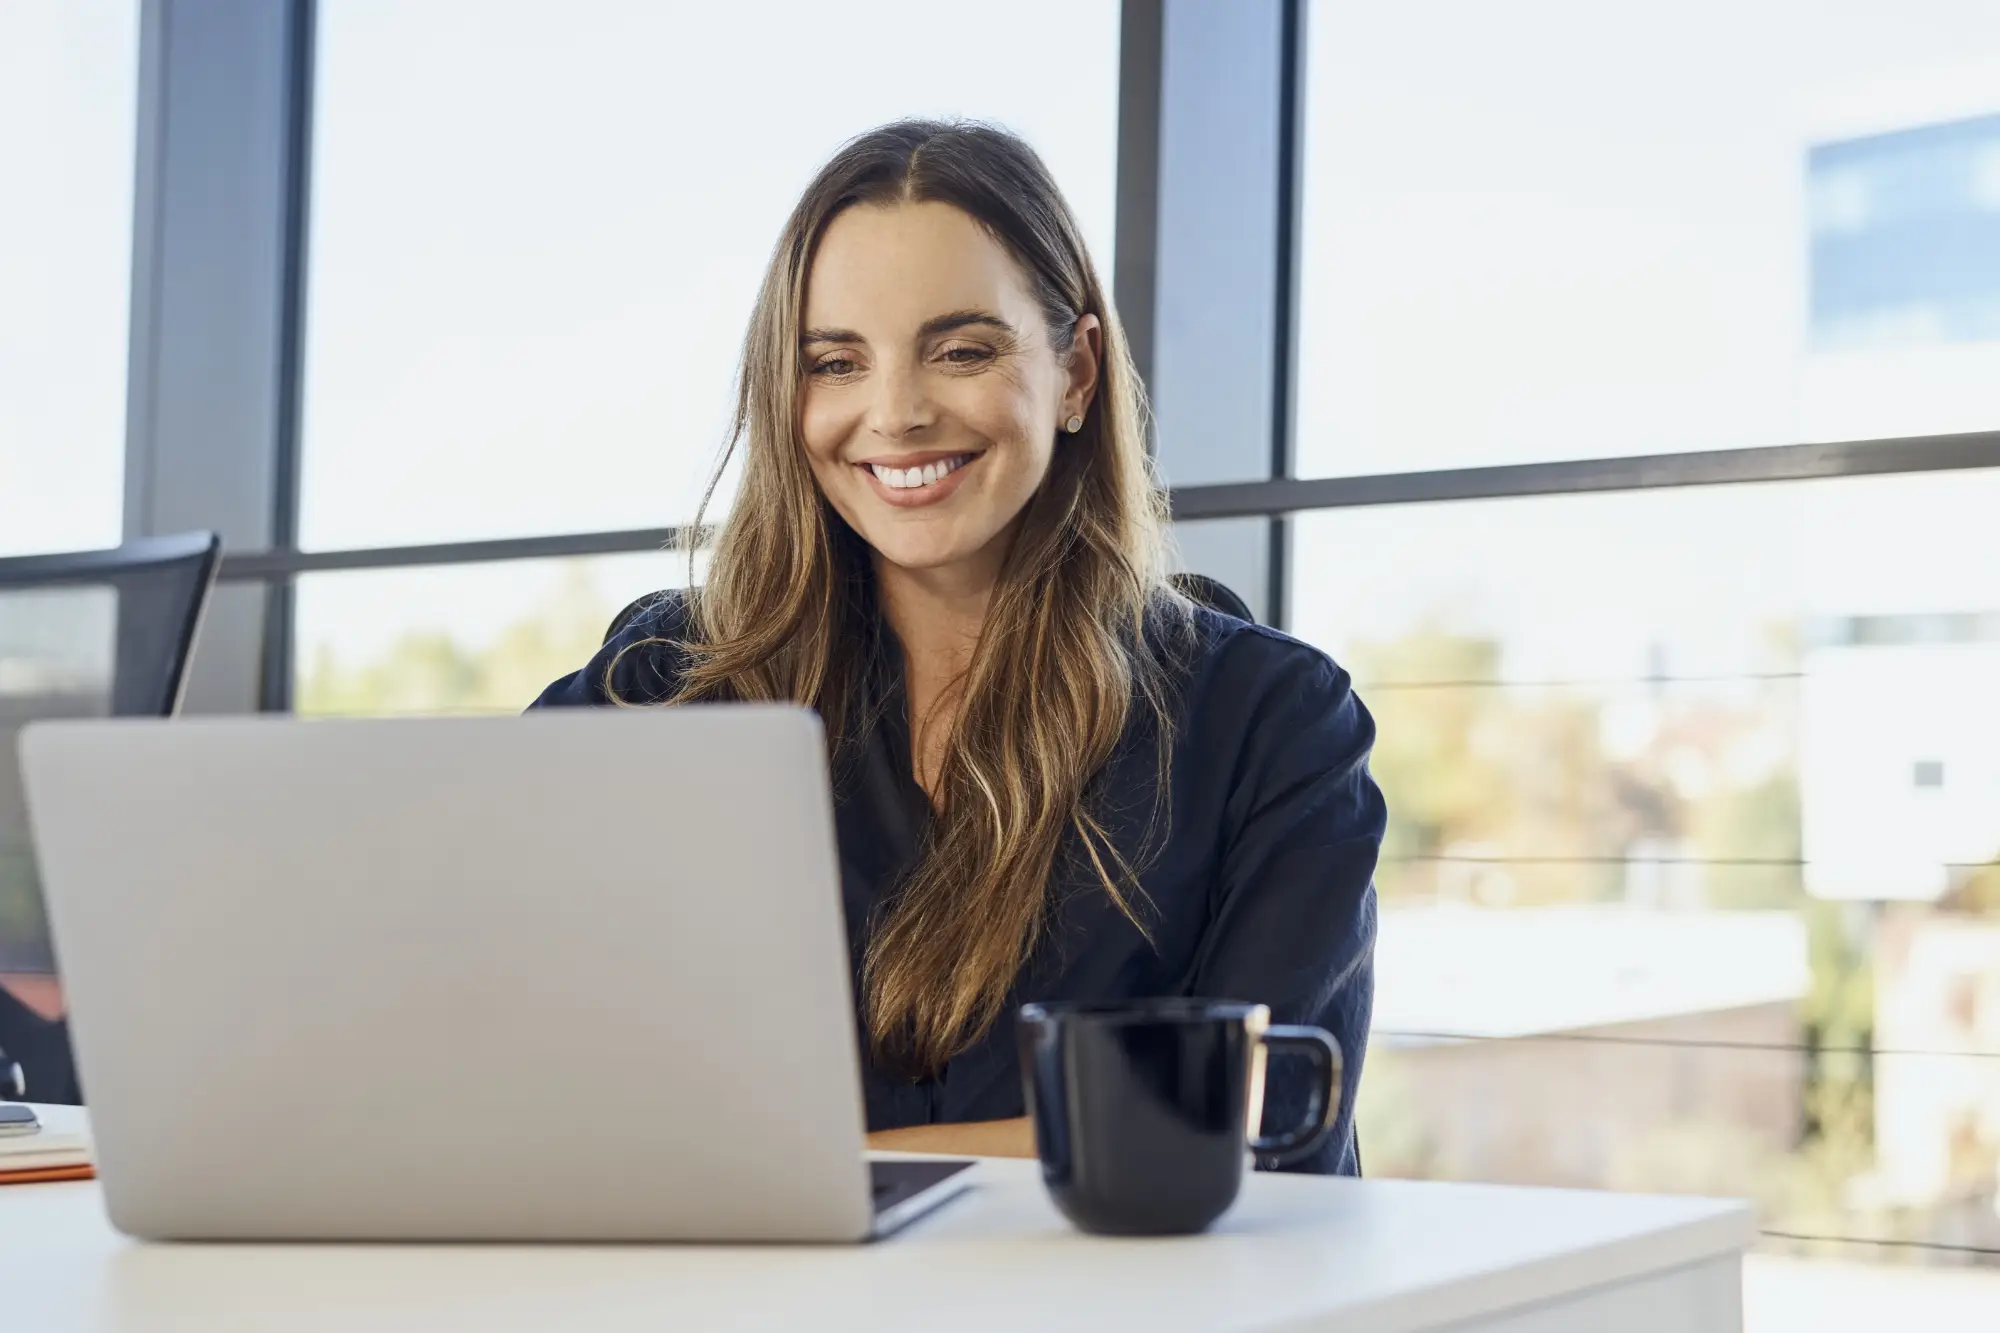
(1293, 924)
(640, 664)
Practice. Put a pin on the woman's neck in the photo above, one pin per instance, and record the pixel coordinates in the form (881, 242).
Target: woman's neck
(937, 615)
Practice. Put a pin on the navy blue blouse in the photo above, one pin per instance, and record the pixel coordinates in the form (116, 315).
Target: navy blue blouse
(1261, 888)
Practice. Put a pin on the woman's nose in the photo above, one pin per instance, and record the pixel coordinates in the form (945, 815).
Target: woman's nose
(900, 406)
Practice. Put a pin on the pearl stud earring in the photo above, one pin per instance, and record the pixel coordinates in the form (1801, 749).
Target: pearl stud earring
(1074, 425)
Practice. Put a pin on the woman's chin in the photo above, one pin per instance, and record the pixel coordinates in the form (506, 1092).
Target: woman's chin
(921, 560)
(925, 554)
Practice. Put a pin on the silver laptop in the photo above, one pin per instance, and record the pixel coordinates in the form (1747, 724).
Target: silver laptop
(580, 975)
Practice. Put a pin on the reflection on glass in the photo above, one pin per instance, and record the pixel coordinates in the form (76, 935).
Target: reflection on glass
(480, 638)
(1530, 242)
(534, 253)
(1692, 880)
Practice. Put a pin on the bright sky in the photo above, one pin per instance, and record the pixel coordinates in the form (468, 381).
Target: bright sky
(1549, 228)
(68, 74)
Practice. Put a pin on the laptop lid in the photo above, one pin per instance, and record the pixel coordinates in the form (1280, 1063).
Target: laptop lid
(578, 975)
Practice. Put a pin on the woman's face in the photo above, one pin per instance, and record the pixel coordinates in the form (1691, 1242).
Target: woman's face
(933, 393)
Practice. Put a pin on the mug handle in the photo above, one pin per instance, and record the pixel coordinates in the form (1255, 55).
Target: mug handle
(1323, 1051)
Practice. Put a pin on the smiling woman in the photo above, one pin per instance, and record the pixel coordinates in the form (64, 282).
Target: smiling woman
(1054, 778)
(911, 407)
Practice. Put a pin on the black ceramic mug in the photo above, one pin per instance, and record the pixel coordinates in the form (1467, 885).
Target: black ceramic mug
(1145, 1109)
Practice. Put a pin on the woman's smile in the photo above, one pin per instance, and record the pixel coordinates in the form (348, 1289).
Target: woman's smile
(913, 480)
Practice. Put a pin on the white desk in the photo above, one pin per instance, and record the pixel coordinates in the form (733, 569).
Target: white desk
(1297, 1253)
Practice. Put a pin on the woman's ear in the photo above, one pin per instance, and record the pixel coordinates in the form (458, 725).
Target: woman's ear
(1086, 358)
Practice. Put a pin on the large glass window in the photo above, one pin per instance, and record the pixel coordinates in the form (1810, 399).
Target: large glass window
(461, 638)
(68, 93)
(1693, 873)
(1555, 229)
(537, 231)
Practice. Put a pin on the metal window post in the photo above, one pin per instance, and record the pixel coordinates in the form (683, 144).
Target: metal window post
(1209, 157)
(218, 231)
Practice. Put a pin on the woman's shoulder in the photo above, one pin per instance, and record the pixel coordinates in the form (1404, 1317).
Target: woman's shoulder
(640, 662)
(1236, 676)
(1266, 719)
(1208, 648)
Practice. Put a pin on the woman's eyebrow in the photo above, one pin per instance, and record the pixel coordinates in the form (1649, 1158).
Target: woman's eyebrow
(930, 328)
(963, 319)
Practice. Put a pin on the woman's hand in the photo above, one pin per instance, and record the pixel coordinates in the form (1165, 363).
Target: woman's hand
(977, 1138)
(40, 994)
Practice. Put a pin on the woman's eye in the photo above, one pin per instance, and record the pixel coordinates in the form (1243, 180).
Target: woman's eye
(965, 356)
(836, 367)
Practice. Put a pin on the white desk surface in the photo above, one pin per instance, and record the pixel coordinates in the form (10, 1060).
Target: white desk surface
(1296, 1253)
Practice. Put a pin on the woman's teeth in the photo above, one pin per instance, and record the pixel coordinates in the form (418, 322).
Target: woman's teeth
(909, 478)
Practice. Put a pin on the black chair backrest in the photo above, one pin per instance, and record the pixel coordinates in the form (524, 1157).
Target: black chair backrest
(1211, 593)
(87, 634)
(1197, 588)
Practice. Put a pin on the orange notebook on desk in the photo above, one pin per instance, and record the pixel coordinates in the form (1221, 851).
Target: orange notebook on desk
(30, 1159)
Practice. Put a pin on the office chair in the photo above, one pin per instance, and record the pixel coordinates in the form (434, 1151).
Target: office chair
(1197, 588)
(88, 634)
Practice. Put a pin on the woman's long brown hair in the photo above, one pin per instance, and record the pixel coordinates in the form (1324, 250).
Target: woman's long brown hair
(788, 611)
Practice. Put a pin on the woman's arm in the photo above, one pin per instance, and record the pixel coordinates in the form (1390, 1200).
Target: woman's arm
(40, 1045)
(1294, 917)
(975, 1138)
